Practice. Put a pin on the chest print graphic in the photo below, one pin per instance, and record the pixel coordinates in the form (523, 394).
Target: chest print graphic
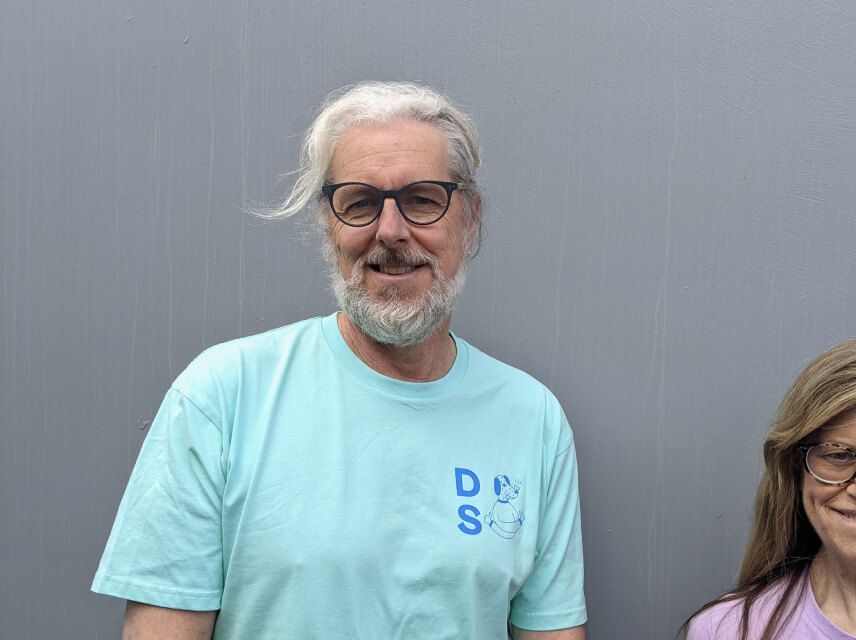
(503, 518)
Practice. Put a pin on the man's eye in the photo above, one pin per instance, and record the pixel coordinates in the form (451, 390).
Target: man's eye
(359, 205)
(422, 202)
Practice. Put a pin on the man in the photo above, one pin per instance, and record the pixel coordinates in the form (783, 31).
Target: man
(367, 474)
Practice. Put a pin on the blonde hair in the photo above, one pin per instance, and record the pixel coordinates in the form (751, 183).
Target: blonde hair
(824, 391)
(783, 542)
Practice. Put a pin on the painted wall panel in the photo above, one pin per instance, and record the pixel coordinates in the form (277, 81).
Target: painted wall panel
(670, 238)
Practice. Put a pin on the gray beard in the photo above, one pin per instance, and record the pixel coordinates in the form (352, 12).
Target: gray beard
(393, 319)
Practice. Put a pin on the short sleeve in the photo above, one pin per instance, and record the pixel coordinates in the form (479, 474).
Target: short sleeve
(698, 630)
(722, 620)
(165, 548)
(552, 597)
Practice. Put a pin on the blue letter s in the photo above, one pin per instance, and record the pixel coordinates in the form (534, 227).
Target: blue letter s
(469, 514)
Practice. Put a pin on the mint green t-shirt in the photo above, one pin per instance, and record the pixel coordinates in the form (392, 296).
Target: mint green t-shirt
(305, 495)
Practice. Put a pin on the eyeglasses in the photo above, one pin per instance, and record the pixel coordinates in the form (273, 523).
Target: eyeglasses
(829, 462)
(358, 204)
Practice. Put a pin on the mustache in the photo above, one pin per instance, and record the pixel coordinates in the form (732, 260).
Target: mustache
(404, 257)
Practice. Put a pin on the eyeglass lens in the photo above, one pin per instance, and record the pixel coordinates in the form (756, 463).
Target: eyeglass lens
(420, 202)
(831, 462)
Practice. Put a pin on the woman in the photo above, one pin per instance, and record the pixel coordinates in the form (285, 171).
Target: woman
(798, 579)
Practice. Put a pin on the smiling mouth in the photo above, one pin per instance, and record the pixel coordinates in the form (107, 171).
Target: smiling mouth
(394, 269)
(846, 515)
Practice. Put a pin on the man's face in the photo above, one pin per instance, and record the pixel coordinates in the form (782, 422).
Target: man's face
(397, 273)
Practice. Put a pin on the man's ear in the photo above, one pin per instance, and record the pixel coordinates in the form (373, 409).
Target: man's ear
(474, 227)
(476, 210)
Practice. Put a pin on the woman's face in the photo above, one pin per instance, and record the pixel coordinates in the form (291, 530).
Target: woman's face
(831, 509)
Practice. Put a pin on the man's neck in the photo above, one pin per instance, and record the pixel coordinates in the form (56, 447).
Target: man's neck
(424, 362)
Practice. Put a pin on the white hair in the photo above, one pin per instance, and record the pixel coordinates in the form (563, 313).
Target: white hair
(380, 103)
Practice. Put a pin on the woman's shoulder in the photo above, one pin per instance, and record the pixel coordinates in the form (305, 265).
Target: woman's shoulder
(719, 621)
(722, 621)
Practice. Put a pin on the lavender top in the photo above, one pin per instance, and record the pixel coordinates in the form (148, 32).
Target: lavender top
(722, 621)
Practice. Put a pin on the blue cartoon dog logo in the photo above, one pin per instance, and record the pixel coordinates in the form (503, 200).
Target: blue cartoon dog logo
(503, 518)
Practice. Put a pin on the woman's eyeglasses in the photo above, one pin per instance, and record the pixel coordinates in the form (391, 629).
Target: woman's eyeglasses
(829, 462)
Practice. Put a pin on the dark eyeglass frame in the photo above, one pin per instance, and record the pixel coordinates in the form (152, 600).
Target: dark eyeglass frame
(806, 447)
(329, 189)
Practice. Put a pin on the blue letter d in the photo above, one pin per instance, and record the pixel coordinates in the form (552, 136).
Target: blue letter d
(460, 472)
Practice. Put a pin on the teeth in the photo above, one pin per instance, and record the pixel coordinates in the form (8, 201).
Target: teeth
(394, 271)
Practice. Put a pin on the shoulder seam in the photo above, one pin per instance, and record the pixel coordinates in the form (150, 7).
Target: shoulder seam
(547, 395)
(196, 406)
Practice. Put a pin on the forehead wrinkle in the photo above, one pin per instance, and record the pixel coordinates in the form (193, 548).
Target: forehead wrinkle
(383, 167)
(842, 432)
(397, 153)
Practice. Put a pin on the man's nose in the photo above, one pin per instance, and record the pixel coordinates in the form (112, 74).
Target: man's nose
(392, 229)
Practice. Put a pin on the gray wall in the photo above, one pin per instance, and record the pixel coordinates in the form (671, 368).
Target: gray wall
(671, 238)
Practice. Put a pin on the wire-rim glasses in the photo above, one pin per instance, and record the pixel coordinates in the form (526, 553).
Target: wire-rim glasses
(829, 462)
(358, 204)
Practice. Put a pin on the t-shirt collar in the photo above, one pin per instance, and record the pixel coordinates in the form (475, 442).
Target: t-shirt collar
(412, 391)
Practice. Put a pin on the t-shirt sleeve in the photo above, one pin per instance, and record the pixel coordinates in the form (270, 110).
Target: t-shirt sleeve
(552, 597)
(719, 622)
(699, 629)
(165, 548)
